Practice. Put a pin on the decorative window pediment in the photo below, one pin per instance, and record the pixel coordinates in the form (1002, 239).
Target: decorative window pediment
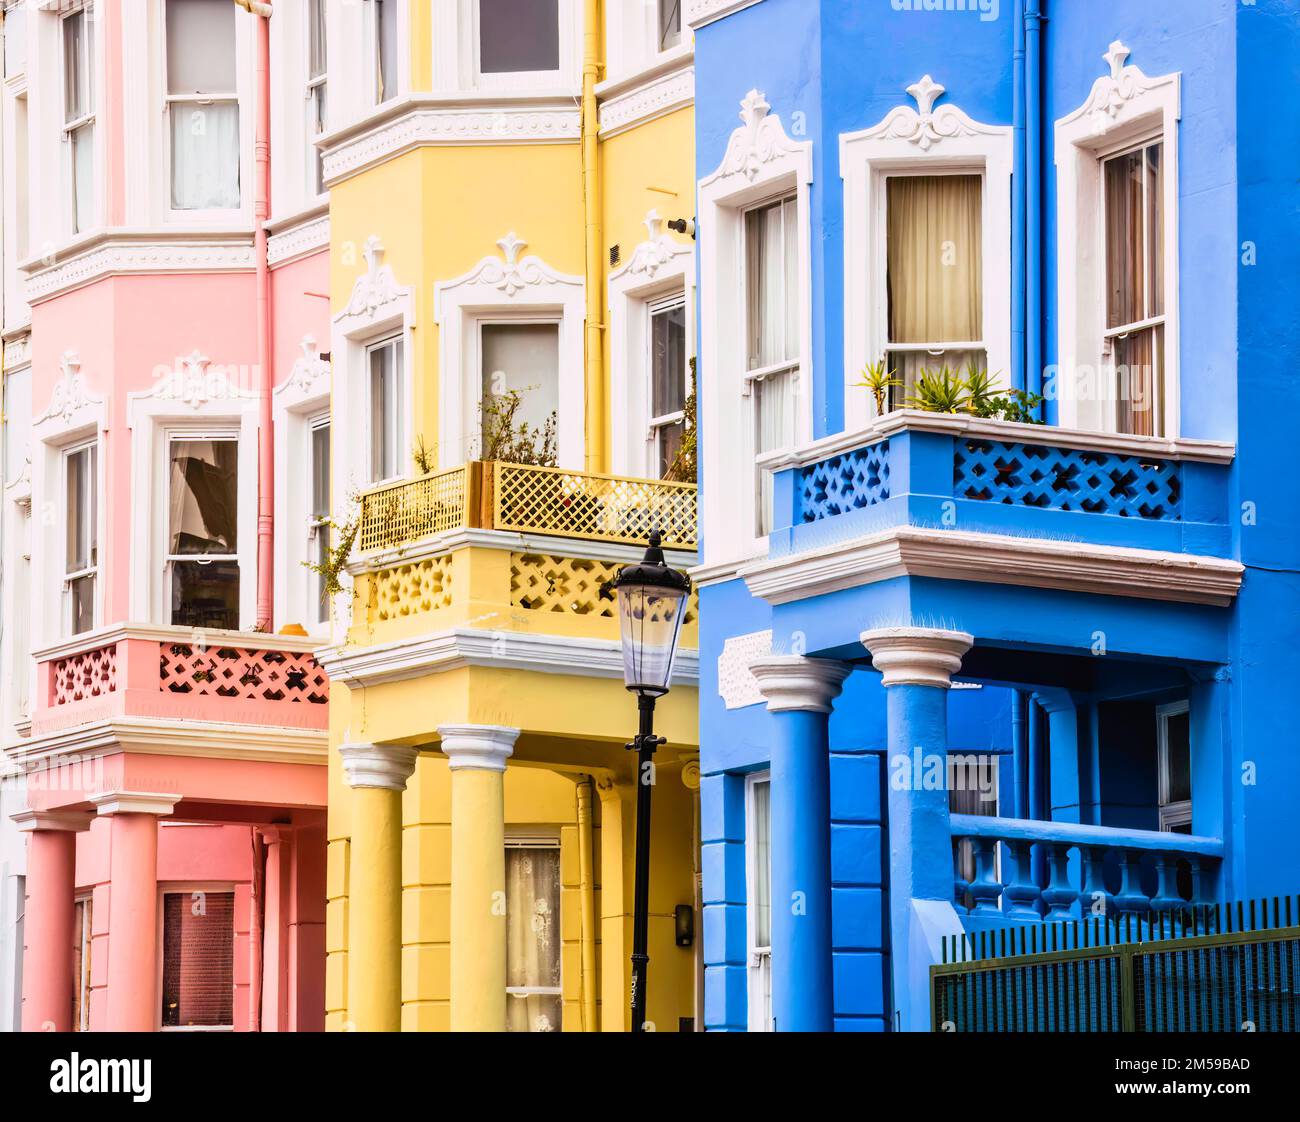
(377, 287)
(926, 127)
(310, 376)
(760, 140)
(72, 405)
(655, 252)
(508, 275)
(1120, 94)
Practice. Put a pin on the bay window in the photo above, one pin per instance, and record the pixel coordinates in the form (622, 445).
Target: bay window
(79, 114)
(198, 955)
(1135, 314)
(523, 358)
(202, 530)
(387, 422)
(81, 554)
(668, 381)
(772, 333)
(533, 994)
(934, 273)
(518, 36)
(758, 879)
(383, 34)
(318, 517)
(202, 104)
(316, 90)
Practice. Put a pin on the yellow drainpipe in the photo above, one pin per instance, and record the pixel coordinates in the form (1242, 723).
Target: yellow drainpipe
(587, 891)
(595, 346)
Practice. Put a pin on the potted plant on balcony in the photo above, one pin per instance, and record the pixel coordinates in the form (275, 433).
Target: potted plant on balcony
(878, 380)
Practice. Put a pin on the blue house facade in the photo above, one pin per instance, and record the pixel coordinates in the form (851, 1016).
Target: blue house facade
(997, 304)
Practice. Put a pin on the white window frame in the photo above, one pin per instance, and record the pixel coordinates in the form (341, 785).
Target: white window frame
(317, 90)
(754, 954)
(1172, 814)
(193, 400)
(75, 416)
(87, 64)
(299, 404)
(403, 425)
(1124, 108)
(90, 444)
(761, 164)
(658, 269)
(501, 290)
(242, 96)
(954, 145)
(371, 98)
(544, 841)
(566, 74)
(187, 434)
(632, 38)
(657, 423)
(166, 889)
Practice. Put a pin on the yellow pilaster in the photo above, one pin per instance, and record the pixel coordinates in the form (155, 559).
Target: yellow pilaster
(477, 755)
(377, 775)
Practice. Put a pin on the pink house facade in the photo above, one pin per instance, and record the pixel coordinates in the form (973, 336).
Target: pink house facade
(166, 466)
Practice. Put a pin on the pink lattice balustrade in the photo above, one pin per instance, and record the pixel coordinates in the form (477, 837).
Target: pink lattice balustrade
(181, 675)
(84, 675)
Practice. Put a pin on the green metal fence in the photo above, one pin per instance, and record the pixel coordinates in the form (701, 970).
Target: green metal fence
(1230, 968)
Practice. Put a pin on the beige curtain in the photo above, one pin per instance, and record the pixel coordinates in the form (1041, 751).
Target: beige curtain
(533, 939)
(935, 266)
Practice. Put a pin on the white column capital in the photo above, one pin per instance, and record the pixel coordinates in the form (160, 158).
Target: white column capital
(486, 747)
(68, 820)
(1052, 699)
(135, 802)
(793, 682)
(917, 656)
(386, 766)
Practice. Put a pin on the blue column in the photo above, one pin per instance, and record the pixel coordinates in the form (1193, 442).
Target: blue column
(916, 666)
(799, 693)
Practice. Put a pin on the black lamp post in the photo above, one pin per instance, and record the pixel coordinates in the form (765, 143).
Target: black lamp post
(651, 606)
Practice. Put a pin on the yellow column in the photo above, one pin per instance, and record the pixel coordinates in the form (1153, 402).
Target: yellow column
(477, 755)
(377, 773)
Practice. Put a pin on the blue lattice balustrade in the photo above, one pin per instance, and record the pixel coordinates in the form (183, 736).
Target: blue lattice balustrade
(1035, 475)
(850, 481)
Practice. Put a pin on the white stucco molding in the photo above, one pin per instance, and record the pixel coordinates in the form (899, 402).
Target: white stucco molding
(1124, 107)
(652, 93)
(482, 747)
(1069, 566)
(921, 139)
(421, 121)
(917, 656)
(156, 803)
(761, 163)
(73, 821)
(792, 682)
(504, 287)
(385, 766)
(737, 685)
(297, 237)
(698, 13)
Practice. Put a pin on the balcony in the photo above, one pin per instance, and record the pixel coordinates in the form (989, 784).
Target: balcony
(989, 500)
(180, 674)
(510, 548)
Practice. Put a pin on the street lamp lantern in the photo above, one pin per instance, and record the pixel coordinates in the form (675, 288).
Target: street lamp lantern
(651, 605)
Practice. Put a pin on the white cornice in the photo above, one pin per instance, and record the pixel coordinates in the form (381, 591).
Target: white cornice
(1070, 566)
(385, 766)
(478, 747)
(138, 252)
(297, 237)
(917, 656)
(449, 541)
(211, 740)
(792, 682)
(18, 352)
(652, 94)
(72, 821)
(1011, 432)
(359, 667)
(422, 121)
(697, 13)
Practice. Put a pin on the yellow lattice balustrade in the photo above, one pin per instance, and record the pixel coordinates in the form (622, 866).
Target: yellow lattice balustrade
(599, 507)
(407, 512)
(570, 585)
(407, 590)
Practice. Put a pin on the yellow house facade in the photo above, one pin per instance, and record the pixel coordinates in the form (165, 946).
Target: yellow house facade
(501, 177)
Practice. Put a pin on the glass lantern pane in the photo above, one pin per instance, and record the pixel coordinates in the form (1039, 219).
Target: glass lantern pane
(651, 617)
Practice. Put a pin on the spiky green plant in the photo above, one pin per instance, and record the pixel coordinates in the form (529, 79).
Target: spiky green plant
(878, 381)
(981, 400)
(938, 391)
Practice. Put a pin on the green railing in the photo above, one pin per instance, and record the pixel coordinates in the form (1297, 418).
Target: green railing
(1225, 968)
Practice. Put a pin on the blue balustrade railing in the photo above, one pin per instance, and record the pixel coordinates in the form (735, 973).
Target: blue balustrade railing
(1090, 870)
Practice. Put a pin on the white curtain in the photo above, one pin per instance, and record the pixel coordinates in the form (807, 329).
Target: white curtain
(774, 408)
(533, 939)
(205, 155)
(83, 177)
(524, 357)
(771, 269)
(935, 269)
